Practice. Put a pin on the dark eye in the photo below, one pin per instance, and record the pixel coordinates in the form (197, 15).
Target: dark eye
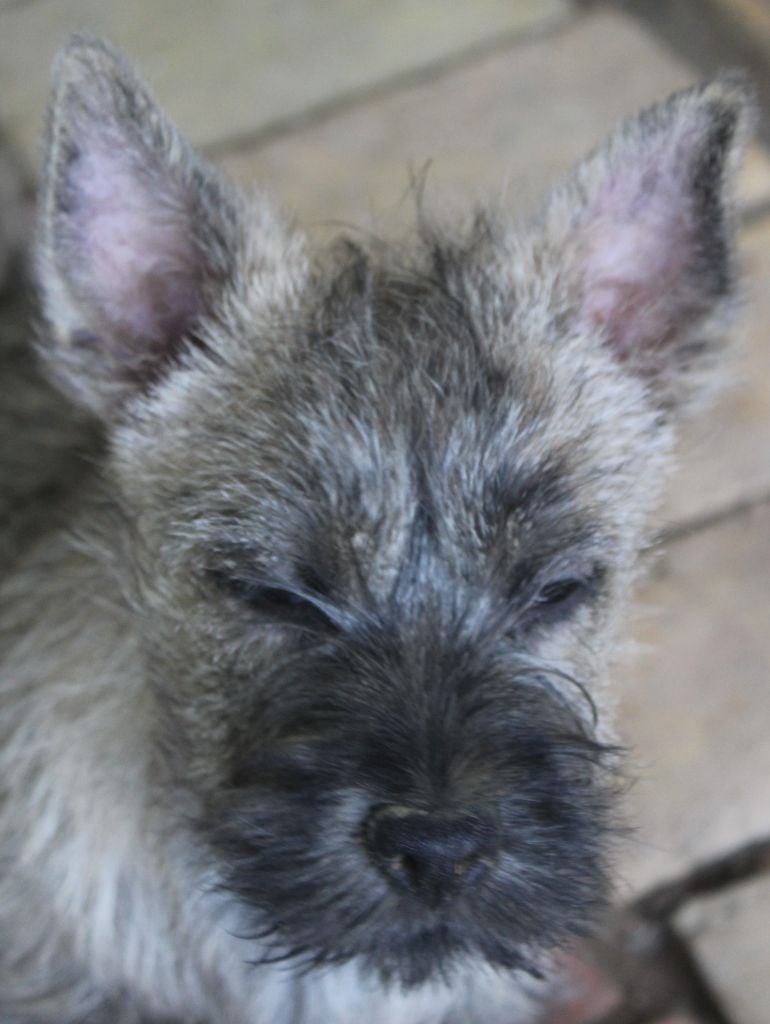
(559, 592)
(278, 604)
(559, 598)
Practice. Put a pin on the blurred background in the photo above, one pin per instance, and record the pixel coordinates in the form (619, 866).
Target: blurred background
(332, 105)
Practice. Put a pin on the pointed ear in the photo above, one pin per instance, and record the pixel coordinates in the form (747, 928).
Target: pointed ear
(136, 234)
(646, 228)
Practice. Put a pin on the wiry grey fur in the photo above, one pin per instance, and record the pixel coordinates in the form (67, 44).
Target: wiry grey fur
(342, 572)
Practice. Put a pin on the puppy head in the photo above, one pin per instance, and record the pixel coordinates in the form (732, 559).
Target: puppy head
(379, 508)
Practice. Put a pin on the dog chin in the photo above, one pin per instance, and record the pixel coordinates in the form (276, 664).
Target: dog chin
(438, 956)
(407, 960)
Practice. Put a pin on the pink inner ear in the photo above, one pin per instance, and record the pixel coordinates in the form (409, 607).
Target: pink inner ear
(139, 264)
(638, 246)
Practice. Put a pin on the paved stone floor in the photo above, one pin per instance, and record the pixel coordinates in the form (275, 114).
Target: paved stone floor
(330, 105)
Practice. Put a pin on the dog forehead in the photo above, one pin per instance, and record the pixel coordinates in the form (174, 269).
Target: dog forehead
(400, 377)
(373, 494)
(394, 394)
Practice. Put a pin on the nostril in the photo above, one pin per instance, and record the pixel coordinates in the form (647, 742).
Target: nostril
(430, 854)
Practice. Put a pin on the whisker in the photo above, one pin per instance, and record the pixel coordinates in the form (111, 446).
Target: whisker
(544, 672)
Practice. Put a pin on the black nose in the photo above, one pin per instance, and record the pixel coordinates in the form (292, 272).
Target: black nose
(432, 855)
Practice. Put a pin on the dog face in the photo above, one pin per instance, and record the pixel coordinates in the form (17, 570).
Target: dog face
(375, 511)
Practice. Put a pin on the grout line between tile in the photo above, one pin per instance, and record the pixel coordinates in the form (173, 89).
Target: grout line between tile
(12, 5)
(344, 102)
(681, 531)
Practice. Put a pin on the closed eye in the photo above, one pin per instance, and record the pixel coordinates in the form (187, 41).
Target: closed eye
(558, 592)
(558, 599)
(277, 604)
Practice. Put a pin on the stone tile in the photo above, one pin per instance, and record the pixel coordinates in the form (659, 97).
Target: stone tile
(730, 938)
(753, 16)
(755, 178)
(230, 67)
(512, 121)
(695, 702)
(725, 457)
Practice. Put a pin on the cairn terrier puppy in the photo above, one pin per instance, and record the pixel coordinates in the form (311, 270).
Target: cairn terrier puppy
(303, 714)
